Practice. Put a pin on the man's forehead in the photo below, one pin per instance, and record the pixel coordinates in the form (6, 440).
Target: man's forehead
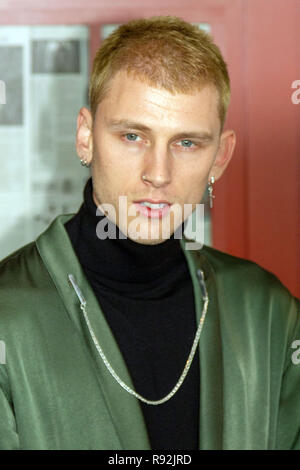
(133, 100)
(125, 85)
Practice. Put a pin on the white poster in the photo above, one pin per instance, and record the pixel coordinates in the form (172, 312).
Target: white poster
(45, 73)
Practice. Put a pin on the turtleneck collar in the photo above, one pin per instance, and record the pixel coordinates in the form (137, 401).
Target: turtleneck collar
(121, 263)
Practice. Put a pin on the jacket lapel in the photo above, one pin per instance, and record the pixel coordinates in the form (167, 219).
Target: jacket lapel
(210, 355)
(58, 255)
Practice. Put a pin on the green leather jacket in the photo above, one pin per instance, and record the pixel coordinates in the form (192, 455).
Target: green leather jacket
(56, 393)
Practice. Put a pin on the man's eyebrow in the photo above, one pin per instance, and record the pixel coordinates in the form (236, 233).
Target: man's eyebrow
(120, 124)
(116, 124)
(204, 136)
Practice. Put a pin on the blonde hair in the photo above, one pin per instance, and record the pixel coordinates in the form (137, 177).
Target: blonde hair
(166, 52)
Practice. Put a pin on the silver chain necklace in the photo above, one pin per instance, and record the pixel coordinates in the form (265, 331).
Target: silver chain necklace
(83, 305)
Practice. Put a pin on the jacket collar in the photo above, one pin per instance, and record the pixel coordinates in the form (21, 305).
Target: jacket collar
(57, 253)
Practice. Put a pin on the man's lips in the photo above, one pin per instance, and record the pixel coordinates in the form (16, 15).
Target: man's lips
(153, 201)
(149, 210)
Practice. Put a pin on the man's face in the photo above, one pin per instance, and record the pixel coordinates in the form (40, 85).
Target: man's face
(154, 148)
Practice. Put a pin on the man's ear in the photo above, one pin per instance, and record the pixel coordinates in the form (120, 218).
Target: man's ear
(84, 136)
(224, 153)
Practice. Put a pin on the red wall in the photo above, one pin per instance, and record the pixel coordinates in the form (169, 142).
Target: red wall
(256, 213)
(273, 137)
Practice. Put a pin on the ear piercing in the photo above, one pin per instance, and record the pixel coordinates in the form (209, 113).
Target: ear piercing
(84, 162)
(210, 191)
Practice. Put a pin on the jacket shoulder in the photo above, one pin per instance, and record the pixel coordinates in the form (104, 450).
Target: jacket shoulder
(22, 268)
(25, 286)
(240, 270)
(245, 286)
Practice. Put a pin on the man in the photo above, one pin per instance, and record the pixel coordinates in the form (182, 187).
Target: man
(101, 316)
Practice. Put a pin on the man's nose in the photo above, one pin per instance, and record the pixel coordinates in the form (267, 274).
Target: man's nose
(157, 169)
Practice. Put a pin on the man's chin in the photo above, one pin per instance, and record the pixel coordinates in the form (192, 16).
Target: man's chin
(148, 241)
(154, 234)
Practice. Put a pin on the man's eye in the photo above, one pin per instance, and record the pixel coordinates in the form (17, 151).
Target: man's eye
(187, 143)
(131, 137)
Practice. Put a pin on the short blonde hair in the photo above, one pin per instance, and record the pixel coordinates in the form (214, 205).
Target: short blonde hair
(166, 52)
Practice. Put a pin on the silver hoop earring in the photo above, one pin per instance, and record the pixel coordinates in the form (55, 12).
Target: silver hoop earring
(210, 191)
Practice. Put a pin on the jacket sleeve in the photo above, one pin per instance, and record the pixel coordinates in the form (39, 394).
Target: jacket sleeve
(8, 433)
(288, 430)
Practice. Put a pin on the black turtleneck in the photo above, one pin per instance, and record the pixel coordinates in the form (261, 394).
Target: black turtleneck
(146, 295)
